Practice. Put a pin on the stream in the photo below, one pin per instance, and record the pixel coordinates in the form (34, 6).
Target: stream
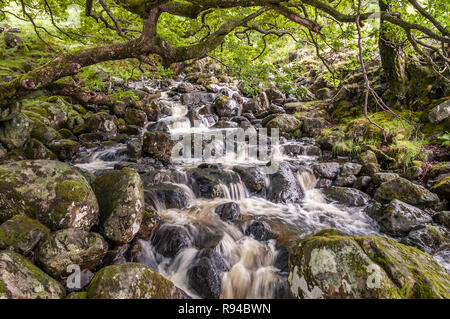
(248, 267)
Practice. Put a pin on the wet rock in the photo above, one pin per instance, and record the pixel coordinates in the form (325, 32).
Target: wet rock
(197, 98)
(134, 148)
(21, 234)
(347, 196)
(15, 132)
(149, 223)
(120, 196)
(229, 211)
(168, 195)
(153, 111)
(285, 122)
(225, 124)
(70, 247)
(20, 279)
(225, 107)
(345, 180)
(185, 87)
(131, 281)
(204, 279)
(324, 183)
(157, 144)
(362, 182)
(406, 191)
(211, 181)
(252, 177)
(399, 218)
(169, 240)
(329, 265)
(427, 238)
(306, 150)
(350, 169)
(327, 170)
(284, 187)
(259, 230)
(102, 122)
(54, 193)
(135, 116)
(64, 149)
(440, 112)
(442, 218)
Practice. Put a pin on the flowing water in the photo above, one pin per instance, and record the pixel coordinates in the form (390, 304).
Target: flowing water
(252, 267)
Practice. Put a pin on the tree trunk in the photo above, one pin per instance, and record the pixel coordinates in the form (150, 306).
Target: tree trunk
(391, 60)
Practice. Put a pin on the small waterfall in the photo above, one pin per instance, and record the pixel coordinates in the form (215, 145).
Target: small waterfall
(234, 191)
(102, 159)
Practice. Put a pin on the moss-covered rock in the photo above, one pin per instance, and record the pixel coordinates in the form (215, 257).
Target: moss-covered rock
(34, 150)
(21, 234)
(428, 238)
(20, 279)
(15, 132)
(70, 246)
(330, 265)
(406, 191)
(135, 116)
(44, 133)
(64, 149)
(131, 281)
(77, 295)
(102, 122)
(442, 187)
(157, 144)
(120, 194)
(52, 192)
(440, 113)
(348, 196)
(285, 122)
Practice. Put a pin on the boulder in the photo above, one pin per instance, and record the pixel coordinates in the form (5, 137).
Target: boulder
(157, 144)
(21, 234)
(439, 113)
(284, 187)
(52, 192)
(20, 279)
(168, 195)
(327, 170)
(442, 218)
(429, 239)
(380, 178)
(252, 177)
(284, 122)
(15, 132)
(70, 246)
(442, 186)
(169, 240)
(350, 169)
(204, 278)
(64, 149)
(120, 195)
(362, 182)
(210, 180)
(345, 180)
(330, 265)
(225, 106)
(35, 150)
(229, 211)
(131, 281)
(406, 191)
(347, 196)
(135, 116)
(261, 231)
(102, 122)
(313, 126)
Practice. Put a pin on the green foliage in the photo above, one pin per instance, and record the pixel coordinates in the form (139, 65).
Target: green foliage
(445, 139)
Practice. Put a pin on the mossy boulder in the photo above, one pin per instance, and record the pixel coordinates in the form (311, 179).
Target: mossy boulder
(442, 187)
(439, 169)
(44, 133)
(225, 106)
(52, 192)
(15, 132)
(157, 144)
(347, 195)
(120, 194)
(285, 122)
(70, 246)
(440, 113)
(20, 279)
(102, 122)
(9, 111)
(443, 218)
(428, 238)
(21, 234)
(330, 265)
(406, 191)
(135, 116)
(35, 150)
(131, 281)
(64, 149)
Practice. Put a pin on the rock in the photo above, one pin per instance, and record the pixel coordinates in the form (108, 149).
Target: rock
(428, 238)
(229, 211)
(184, 87)
(134, 148)
(12, 40)
(284, 122)
(169, 240)
(274, 94)
(20, 279)
(362, 182)
(345, 180)
(225, 107)
(442, 218)
(209, 181)
(2, 152)
(442, 187)
(284, 187)
(168, 195)
(44, 133)
(313, 126)
(260, 231)
(102, 122)
(36, 150)
(64, 149)
(131, 281)
(70, 247)
(135, 116)
(439, 169)
(153, 111)
(439, 113)
(253, 106)
(21, 234)
(149, 223)
(15, 132)
(327, 170)
(406, 191)
(52, 192)
(399, 218)
(55, 114)
(370, 163)
(329, 265)
(120, 195)
(380, 178)
(157, 144)
(204, 279)
(350, 169)
(347, 196)
(252, 177)
(78, 284)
